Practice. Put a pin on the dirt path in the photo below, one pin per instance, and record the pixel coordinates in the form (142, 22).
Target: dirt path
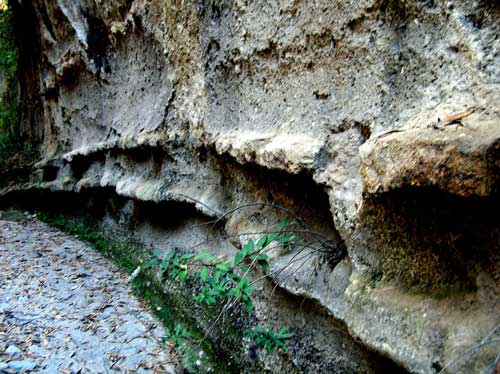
(64, 308)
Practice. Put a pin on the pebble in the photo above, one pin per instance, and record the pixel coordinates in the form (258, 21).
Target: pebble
(13, 351)
(66, 308)
(22, 365)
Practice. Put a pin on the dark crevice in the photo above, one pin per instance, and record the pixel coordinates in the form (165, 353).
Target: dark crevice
(493, 159)
(30, 59)
(98, 43)
(47, 22)
(140, 155)
(297, 193)
(125, 8)
(309, 358)
(79, 166)
(49, 173)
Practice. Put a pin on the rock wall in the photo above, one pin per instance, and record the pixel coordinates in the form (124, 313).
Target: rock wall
(341, 111)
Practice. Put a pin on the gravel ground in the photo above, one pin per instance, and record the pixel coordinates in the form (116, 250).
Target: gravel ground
(64, 308)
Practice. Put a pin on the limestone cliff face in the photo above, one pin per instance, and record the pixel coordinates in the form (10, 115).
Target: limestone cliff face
(336, 110)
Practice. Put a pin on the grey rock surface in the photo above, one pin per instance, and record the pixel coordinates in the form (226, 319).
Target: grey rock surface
(66, 309)
(12, 351)
(332, 109)
(22, 366)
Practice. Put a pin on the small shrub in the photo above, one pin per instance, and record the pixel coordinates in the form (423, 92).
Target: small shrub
(177, 336)
(268, 339)
(226, 279)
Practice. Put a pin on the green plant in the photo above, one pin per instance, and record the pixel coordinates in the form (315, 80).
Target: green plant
(7, 43)
(177, 336)
(221, 279)
(268, 339)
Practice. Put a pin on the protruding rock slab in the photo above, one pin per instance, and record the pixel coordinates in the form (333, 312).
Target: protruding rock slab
(463, 160)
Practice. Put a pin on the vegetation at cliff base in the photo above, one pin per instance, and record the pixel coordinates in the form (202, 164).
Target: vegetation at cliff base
(8, 82)
(225, 280)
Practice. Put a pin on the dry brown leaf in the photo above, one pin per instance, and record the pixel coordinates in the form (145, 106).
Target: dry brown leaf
(457, 117)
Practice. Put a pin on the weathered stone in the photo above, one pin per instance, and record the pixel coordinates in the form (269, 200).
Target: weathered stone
(327, 108)
(13, 351)
(461, 159)
(20, 366)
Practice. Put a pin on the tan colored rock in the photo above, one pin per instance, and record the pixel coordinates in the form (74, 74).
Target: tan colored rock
(462, 160)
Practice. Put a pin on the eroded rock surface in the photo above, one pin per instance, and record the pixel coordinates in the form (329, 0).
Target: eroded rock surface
(329, 108)
(457, 159)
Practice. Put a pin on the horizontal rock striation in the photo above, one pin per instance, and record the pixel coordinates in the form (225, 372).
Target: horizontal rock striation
(332, 109)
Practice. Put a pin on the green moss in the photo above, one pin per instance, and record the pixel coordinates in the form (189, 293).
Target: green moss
(414, 250)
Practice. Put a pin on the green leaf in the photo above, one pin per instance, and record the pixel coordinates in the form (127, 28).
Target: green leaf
(267, 338)
(157, 253)
(248, 333)
(282, 225)
(177, 329)
(273, 237)
(211, 300)
(281, 345)
(248, 289)
(165, 264)
(285, 239)
(174, 273)
(236, 292)
(283, 333)
(187, 256)
(269, 346)
(240, 255)
(245, 268)
(210, 260)
(242, 290)
(204, 273)
(223, 266)
(217, 275)
(249, 247)
(264, 265)
(170, 255)
(215, 292)
(249, 305)
(259, 257)
(262, 242)
(235, 277)
(183, 275)
(201, 256)
(152, 262)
